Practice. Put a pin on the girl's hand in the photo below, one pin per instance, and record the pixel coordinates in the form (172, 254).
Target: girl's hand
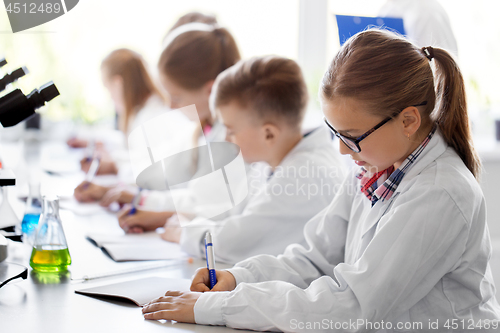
(175, 305)
(117, 194)
(173, 230)
(89, 192)
(201, 281)
(77, 143)
(106, 167)
(142, 220)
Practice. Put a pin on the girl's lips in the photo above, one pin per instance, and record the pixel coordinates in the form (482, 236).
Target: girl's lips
(360, 163)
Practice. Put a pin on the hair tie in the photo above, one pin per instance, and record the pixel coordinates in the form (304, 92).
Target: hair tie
(428, 52)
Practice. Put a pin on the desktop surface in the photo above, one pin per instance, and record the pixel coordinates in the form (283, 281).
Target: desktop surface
(47, 302)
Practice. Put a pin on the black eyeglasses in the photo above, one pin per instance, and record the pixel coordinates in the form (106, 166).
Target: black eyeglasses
(353, 143)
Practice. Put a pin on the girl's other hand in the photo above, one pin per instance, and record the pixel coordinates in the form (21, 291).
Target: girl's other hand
(89, 192)
(141, 220)
(175, 305)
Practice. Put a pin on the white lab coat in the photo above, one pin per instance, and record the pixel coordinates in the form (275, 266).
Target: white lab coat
(154, 106)
(425, 21)
(162, 200)
(274, 214)
(420, 256)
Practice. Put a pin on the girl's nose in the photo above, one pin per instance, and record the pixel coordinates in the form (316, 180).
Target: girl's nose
(343, 149)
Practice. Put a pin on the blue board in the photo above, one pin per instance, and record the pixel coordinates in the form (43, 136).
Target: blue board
(351, 25)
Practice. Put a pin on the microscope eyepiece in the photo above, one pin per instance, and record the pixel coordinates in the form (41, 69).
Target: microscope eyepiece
(9, 78)
(16, 107)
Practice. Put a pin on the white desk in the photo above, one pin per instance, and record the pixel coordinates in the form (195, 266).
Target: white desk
(48, 303)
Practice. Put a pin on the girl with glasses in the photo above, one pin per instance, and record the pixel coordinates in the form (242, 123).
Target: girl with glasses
(404, 246)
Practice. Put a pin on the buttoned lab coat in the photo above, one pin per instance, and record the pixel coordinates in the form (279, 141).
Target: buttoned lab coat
(420, 256)
(274, 214)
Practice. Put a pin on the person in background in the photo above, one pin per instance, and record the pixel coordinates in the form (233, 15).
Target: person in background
(194, 54)
(425, 22)
(405, 240)
(262, 102)
(136, 99)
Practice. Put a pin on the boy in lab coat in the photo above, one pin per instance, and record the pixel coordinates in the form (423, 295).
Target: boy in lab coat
(262, 102)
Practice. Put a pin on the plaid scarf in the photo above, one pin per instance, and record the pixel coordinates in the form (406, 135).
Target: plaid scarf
(383, 184)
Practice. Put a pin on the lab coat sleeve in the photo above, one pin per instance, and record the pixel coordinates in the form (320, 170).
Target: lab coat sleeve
(242, 236)
(409, 254)
(325, 236)
(268, 224)
(164, 200)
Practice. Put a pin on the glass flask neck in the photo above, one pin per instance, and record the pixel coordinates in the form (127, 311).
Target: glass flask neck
(50, 207)
(34, 201)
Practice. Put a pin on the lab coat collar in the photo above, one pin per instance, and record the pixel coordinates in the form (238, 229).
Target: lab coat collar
(155, 101)
(435, 148)
(316, 139)
(311, 143)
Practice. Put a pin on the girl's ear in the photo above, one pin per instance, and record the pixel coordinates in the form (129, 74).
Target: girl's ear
(411, 120)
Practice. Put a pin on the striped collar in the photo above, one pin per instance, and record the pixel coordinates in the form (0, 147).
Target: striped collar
(383, 184)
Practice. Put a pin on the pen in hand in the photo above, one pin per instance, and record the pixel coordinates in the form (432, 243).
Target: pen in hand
(94, 166)
(135, 202)
(209, 252)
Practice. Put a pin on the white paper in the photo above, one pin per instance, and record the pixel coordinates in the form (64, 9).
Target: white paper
(105, 238)
(132, 247)
(140, 291)
(80, 208)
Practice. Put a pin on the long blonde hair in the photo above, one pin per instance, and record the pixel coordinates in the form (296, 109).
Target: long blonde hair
(137, 83)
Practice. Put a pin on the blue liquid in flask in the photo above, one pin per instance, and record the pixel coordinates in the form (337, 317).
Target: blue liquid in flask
(29, 223)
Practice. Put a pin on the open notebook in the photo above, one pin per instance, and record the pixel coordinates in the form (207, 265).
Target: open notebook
(130, 247)
(140, 291)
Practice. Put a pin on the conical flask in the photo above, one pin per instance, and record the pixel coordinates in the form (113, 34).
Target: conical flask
(32, 212)
(50, 250)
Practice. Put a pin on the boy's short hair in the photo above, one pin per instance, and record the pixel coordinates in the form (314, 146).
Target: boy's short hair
(272, 86)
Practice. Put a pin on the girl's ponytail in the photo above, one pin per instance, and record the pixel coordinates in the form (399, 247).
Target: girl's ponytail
(451, 113)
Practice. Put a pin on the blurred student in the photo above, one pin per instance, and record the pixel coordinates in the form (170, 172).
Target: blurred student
(262, 102)
(403, 243)
(195, 53)
(135, 97)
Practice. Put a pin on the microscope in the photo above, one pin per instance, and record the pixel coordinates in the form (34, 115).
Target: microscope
(15, 107)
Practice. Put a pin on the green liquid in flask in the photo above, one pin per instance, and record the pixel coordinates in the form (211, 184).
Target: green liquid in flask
(50, 258)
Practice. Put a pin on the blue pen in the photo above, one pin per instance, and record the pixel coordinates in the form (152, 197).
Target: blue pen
(209, 251)
(135, 202)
